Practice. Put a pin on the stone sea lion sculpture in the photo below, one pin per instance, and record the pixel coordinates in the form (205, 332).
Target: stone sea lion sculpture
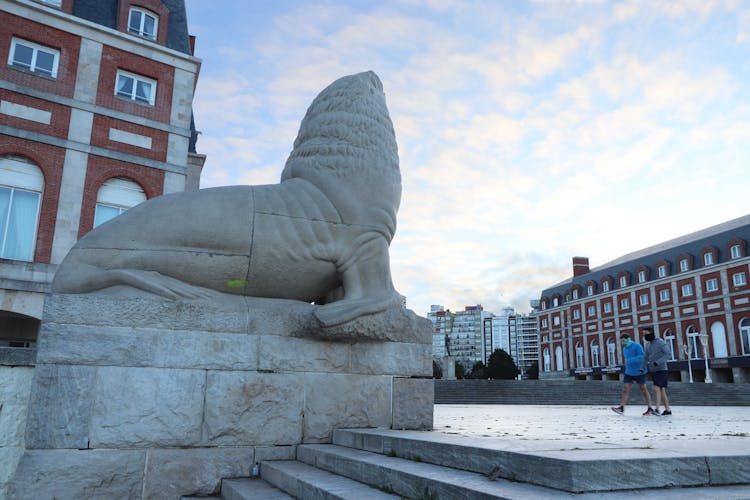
(321, 235)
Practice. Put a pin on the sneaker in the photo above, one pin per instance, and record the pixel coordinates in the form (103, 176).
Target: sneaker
(657, 413)
(648, 412)
(666, 413)
(618, 409)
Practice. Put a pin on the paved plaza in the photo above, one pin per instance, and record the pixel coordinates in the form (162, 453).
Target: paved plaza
(597, 433)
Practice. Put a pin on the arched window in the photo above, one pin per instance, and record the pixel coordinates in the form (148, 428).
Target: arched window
(595, 353)
(559, 364)
(669, 339)
(21, 186)
(579, 355)
(611, 352)
(745, 336)
(719, 340)
(693, 343)
(547, 360)
(114, 197)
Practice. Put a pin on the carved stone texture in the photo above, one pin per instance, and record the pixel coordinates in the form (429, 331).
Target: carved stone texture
(321, 235)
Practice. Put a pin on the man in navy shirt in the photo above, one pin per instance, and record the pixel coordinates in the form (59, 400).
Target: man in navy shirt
(635, 371)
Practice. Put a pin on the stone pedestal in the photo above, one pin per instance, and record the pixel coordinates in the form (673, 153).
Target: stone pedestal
(449, 368)
(142, 398)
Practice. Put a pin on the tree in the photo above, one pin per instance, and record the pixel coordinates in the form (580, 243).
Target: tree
(501, 366)
(437, 371)
(460, 370)
(478, 370)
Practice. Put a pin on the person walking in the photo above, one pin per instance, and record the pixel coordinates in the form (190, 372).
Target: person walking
(657, 354)
(635, 371)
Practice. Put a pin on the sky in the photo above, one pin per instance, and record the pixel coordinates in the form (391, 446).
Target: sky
(529, 132)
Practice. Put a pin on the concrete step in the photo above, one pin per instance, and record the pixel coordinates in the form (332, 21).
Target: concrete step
(304, 481)
(600, 467)
(250, 489)
(413, 479)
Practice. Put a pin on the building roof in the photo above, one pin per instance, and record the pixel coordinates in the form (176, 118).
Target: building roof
(716, 236)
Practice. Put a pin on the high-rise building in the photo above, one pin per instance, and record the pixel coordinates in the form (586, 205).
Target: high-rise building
(459, 333)
(692, 290)
(95, 117)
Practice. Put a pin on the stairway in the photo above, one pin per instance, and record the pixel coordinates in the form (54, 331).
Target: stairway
(386, 464)
(582, 392)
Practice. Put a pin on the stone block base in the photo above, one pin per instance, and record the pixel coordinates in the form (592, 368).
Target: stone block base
(158, 399)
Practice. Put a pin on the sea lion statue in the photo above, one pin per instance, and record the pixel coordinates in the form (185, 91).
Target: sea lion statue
(321, 235)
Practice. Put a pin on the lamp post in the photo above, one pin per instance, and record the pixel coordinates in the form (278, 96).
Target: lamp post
(686, 348)
(704, 341)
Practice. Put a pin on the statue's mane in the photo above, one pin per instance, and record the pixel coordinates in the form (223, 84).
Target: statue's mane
(347, 135)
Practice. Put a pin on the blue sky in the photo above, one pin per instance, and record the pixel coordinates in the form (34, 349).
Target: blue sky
(528, 132)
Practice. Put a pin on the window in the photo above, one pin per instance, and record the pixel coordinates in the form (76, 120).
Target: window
(579, 355)
(33, 57)
(687, 290)
(683, 265)
(735, 252)
(56, 3)
(693, 344)
(623, 281)
(142, 22)
(663, 295)
(547, 360)
(591, 312)
(708, 258)
(738, 279)
(641, 276)
(114, 197)
(611, 352)
(21, 186)
(662, 271)
(576, 313)
(135, 87)
(745, 336)
(643, 299)
(605, 286)
(607, 307)
(555, 302)
(624, 303)
(669, 339)
(590, 290)
(575, 294)
(556, 320)
(712, 285)
(595, 353)
(544, 322)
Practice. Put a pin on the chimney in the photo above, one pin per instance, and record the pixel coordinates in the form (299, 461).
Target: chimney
(580, 266)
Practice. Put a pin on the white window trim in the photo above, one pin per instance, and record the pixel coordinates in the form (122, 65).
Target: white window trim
(738, 279)
(712, 285)
(664, 295)
(590, 290)
(556, 321)
(684, 265)
(623, 281)
(734, 251)
(575, 294)
(136, 79)
(607, 307)
(576, 313)
(36, 48)
(144, 13)
(641, 276)
(708, 259)
(605, 286)
(687, 290)
(662, 271)
(625, 303)
(643, 299)
(591, 312)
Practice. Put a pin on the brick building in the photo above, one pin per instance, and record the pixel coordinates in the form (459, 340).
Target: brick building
(95, 117)
(693, 290)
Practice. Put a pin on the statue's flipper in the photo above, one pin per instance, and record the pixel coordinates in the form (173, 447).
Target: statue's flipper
(90, 278)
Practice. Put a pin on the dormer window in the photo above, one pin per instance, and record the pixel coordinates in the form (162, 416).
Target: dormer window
(623, 281)
(143, 23)
(735, 251)
(661, 271)
(605, 286)
(641, 276)
(575, 294)
(683, 265)
(708, 258)
(590, 290)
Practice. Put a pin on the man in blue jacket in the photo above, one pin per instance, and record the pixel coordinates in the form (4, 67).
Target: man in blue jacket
(635, 371)
(657, 355)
